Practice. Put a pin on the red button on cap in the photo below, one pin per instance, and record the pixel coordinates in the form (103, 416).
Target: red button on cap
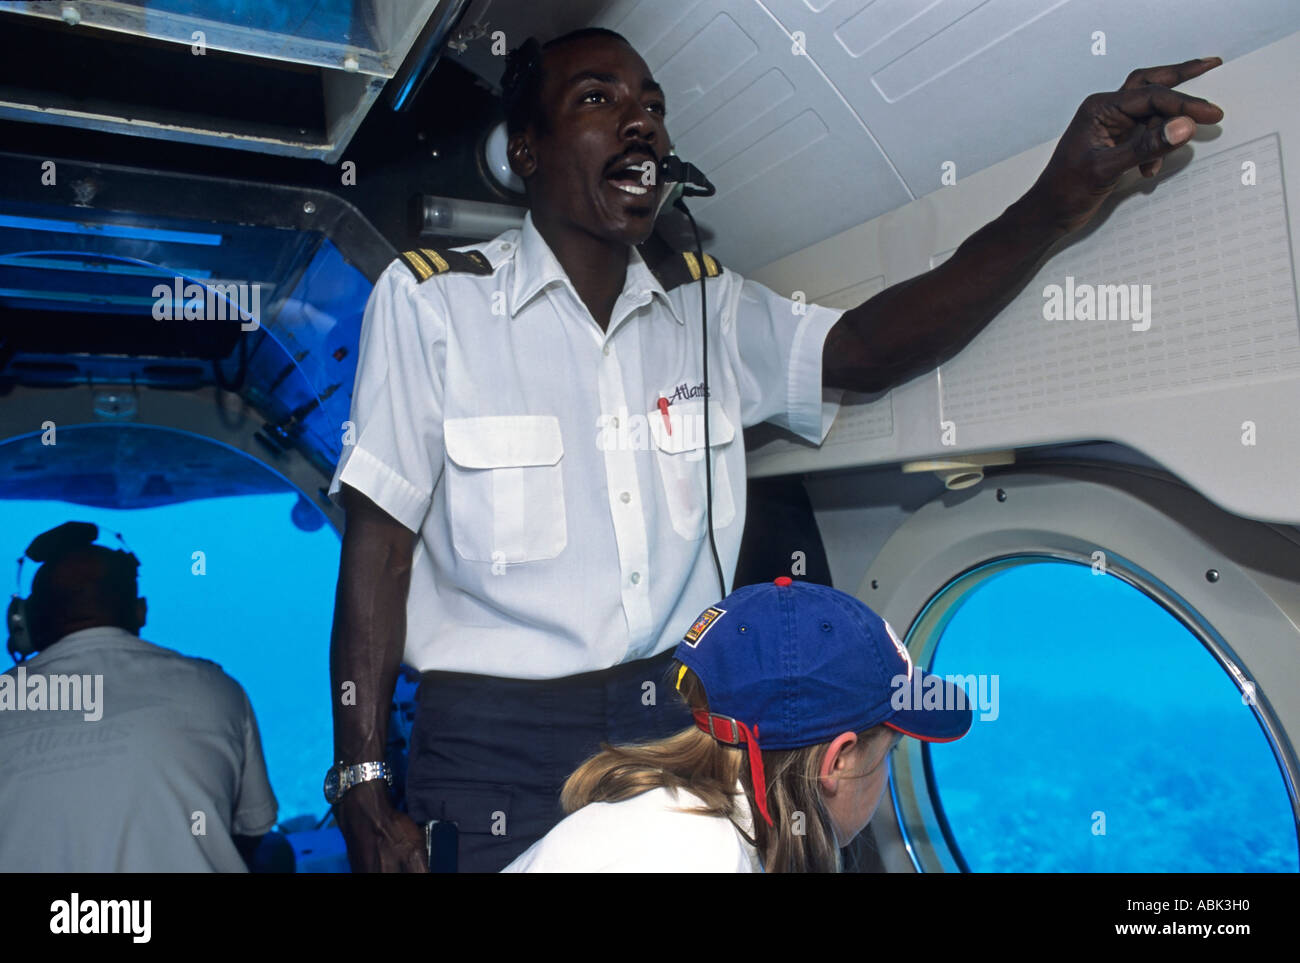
(783, 580)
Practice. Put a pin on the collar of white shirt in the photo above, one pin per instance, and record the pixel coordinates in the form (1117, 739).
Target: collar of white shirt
(536, 267)
(82, 641)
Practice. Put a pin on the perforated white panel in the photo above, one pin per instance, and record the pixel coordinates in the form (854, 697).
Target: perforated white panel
(1222, 307)
(859, 420)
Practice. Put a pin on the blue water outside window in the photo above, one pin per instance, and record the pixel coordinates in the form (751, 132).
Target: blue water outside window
(1116, 742)
(262, 607)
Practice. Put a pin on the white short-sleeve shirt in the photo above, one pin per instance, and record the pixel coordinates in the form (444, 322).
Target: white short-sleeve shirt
(155, 768)
(654, 832)
(553, 471)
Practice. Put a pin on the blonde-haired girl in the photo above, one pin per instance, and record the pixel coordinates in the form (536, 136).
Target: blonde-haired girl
(799, 692)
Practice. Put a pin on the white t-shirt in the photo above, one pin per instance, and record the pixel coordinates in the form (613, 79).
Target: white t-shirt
(555, 471)
(648, 833)
(157, 768)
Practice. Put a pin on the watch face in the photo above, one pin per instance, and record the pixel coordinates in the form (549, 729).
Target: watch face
(331, 786)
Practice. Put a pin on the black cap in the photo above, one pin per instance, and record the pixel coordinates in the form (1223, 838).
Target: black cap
(57, 542)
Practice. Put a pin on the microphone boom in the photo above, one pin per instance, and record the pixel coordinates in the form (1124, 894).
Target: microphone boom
(694, 183)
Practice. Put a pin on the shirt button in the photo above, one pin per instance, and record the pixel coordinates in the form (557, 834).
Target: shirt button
(614, 421)
(635, 577)
(506, 245)
(605, 351)
(626, 497)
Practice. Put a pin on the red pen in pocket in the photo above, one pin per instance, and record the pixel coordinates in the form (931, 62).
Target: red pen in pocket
(663, 410)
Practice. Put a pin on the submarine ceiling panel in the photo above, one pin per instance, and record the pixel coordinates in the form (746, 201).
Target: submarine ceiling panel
(814, 116)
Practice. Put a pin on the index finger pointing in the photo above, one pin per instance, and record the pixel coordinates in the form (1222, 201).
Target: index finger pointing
(1145, 102)
(1170, 75)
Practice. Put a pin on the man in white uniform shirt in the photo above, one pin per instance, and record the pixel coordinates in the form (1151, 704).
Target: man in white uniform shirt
(525, 483)
(157, 768)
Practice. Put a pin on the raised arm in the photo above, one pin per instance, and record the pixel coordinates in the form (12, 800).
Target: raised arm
(366, 651)
(922, 322)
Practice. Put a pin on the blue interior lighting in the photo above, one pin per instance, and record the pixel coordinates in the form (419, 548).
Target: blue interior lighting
(109, 230)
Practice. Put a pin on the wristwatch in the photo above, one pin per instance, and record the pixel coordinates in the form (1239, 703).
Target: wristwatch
(341, 778)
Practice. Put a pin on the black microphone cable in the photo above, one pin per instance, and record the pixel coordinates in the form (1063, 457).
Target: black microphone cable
(704, 357)
(695, 184)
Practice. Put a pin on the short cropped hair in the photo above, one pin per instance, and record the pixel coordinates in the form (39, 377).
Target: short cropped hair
(88, 582)
(521, 84)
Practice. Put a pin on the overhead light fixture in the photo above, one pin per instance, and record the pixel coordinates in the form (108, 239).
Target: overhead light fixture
(453, 217)
(115, 404)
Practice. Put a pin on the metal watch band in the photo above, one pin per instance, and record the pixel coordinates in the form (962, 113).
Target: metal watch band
(341, 778)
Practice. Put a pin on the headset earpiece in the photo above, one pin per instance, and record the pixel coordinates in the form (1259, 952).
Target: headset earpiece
(20, 641)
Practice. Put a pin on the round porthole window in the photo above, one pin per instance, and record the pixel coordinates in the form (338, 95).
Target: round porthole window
(1108, 736)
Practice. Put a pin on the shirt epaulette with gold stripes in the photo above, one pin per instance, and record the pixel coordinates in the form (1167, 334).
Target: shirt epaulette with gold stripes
(683, 268)
(425, 262)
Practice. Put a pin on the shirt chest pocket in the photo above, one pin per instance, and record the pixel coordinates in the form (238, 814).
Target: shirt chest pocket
(505, 490)
(679, 450)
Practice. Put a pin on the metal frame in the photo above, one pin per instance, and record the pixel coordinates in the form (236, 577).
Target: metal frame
(212, 414)
(1145, 525)
(143, 193)
(351, 76)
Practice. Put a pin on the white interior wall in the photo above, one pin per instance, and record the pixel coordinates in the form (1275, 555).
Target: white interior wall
(1222, 349)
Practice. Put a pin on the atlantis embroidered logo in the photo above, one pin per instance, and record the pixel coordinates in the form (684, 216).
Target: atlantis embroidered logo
(705, 622)
(685, 392)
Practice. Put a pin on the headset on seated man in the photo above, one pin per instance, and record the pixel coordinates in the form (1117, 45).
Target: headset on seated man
(50, 547)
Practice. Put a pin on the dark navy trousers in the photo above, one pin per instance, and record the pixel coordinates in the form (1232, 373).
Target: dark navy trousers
(491, 754)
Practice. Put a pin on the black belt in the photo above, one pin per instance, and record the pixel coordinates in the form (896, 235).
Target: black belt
(650, 668)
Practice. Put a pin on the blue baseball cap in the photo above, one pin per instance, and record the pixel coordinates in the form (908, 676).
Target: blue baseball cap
(794, 664)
